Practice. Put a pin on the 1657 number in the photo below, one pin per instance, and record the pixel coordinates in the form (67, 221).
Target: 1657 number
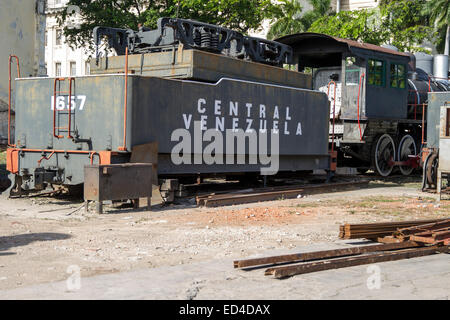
(62, 102)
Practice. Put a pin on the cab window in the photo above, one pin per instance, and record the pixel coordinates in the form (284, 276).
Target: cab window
(351, 71)
(376, 72)
(398, 76)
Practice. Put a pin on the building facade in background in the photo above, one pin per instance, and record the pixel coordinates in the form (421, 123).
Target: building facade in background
(348, 5)
(22, 29)
(60, 58)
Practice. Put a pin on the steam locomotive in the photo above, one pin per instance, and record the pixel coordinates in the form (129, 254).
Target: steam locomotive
(378, 100)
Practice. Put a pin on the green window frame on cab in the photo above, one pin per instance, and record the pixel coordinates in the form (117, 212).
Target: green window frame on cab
(376, 72)
(398, 76)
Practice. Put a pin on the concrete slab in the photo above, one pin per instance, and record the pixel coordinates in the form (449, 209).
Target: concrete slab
(418, 278)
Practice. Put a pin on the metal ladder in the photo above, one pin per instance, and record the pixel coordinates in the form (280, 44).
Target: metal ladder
(57, 112)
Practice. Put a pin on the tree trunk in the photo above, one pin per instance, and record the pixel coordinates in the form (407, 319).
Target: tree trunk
(447, 41)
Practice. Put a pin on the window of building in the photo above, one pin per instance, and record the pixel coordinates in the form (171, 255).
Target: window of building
(376, 72)
(73, 68)
(58, 69)
(87, 68)
(398, 76)
(58, 41)
(46, 39)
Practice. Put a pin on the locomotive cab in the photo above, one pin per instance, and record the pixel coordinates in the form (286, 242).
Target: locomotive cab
(367, 85)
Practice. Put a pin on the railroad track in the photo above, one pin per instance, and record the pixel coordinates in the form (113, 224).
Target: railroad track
(273, 193)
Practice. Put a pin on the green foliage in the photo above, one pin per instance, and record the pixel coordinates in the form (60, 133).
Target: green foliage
(404, 25)
(101, 13)
(241, 15)
(400, 23)
(438, 12)
(288, 18)
(320, 8)
(355, 25)
(440, 39)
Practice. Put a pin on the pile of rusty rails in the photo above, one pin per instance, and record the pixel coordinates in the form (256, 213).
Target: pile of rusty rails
(411, 242)
(373, 231)
(272, 193)
(433, 233)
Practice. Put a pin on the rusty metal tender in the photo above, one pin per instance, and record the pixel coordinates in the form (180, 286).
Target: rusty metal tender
(63, 124)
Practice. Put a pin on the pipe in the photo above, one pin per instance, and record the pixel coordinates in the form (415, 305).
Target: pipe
(45, 158)
(124, 146)
(9, 96)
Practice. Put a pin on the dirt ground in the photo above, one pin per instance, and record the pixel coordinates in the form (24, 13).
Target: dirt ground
(40, 238)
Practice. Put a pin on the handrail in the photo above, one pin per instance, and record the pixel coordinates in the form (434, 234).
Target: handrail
(423, 125)
(334, 110)
(90, 153)
(9, 95)
(45, 158)
(359, 92)
(54, 108)
(124, 145)
(70, 108)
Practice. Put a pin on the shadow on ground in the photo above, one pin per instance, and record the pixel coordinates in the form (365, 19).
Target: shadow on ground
(19, 240)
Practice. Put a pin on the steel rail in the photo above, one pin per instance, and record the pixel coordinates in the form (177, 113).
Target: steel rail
(425, 227)
(288, 271)
(266, 194)
(334, 253)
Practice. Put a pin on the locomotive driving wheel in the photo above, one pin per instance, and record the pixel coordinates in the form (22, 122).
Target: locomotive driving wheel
(406, 148)
(383, 155)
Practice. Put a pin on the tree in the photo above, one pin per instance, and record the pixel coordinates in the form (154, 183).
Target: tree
(241, 15)
(288, 19)
(399, 22)
(439, 13)
(404, 25)
(355, 25)
(320, 8)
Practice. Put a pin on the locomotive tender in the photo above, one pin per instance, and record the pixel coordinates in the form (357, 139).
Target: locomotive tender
(165, 86)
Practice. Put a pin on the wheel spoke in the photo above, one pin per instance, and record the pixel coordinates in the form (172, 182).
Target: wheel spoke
(407, 147)
(384, 153)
